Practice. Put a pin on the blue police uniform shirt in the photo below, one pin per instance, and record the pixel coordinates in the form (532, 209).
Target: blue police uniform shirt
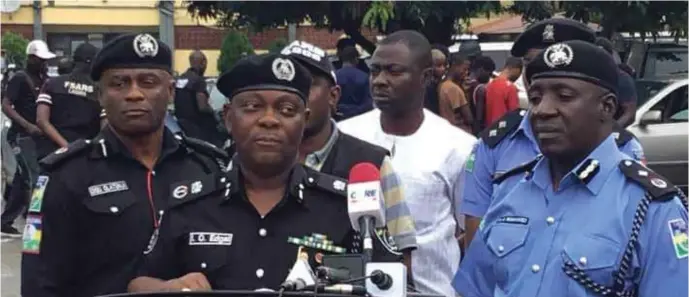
(516, 148)
(530, 230)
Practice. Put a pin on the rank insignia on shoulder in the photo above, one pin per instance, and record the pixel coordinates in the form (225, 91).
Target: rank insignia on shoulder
(62, 154)
(656, 185)
(191, 189)
(497, 131)
(326, 182)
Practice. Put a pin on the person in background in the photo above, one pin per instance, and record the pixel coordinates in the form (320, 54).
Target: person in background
(501, 93)
(451, 98)
(67, 107)
(345, 43)
(481, 72)
(192, 109)
(440, 55)
(427, 152)
(65, 66)
(626, 114)
(326, 149)
(19, 104)
(356, 95)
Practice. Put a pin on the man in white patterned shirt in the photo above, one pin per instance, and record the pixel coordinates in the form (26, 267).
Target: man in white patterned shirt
(427, 152)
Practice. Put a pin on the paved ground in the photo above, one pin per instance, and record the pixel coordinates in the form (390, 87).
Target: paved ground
(11, 259)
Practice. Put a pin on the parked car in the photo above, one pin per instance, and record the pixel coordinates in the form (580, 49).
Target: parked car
(661, 127)
(656, 63)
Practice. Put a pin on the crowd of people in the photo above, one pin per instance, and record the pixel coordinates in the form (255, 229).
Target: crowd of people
(481, 197)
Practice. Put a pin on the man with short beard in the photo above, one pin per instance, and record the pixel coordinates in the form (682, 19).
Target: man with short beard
(328, 150)
(99, 200)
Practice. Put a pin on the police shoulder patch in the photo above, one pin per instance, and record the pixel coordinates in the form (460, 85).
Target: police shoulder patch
(658, 186)
(326, 182)
(203, 147)
(496, 132)
(61, 155)
(523, 168)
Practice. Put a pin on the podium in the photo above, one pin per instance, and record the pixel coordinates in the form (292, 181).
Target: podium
(243, 293)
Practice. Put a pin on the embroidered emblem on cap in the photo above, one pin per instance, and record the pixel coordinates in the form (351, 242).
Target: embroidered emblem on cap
(305, 49)
(558, 55)
(283, 69)
(145, 45)
(549, 33)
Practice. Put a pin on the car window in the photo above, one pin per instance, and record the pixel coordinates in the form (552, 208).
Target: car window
(673, 107)
(666, 63)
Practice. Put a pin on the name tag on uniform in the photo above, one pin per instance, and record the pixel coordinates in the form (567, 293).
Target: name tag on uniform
(106, 188)
(210, 238)
(514, 220)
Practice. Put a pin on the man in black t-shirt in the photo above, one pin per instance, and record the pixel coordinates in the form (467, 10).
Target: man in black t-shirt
(19, 104)
(192, 109)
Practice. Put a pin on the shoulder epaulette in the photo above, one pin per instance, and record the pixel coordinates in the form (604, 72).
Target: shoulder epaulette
(496, 132)
(656, 185)
(622, 136)
(204, 147)
(525, 167)
(61, 155)
(326, 182)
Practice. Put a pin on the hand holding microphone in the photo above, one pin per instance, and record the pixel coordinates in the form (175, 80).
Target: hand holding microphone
(365, 203)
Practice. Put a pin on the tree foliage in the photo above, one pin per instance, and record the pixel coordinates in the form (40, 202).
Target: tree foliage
(15, 48)
(644, 17)
(235, 45)
(277, 45)
(438, 20)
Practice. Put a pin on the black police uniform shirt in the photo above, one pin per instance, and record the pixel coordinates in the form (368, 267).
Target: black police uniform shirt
(224, 237)
(92, 213)
(74, 108)
(187, 86)
(22, 90)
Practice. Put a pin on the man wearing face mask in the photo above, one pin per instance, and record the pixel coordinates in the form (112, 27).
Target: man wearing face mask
(192, 109)
(510, 141)
(99, 200)
(583, 219)
(19, 104)
(326, 149)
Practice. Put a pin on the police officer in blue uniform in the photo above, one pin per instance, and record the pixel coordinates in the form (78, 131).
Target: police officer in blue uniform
(510, 141)
(583, 219)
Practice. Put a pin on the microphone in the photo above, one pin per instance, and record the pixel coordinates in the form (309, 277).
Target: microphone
(299, 277)
(333, 275)
(365, 204)
(381, 279)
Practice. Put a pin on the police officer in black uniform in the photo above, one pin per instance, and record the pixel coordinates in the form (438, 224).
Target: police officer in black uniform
(192, 109)
(98, 202)
(268, 206)
(67, 107)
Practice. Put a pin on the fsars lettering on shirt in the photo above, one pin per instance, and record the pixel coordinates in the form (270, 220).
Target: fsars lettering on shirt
(78, 89)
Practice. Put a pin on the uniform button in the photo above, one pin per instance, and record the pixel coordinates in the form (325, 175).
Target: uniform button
(550, 220)
(262, 232)
(583, 260)
(203, 265)
(114, 209)
(535, 268)
(501, 248)
(259, 273)
(222, 180)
